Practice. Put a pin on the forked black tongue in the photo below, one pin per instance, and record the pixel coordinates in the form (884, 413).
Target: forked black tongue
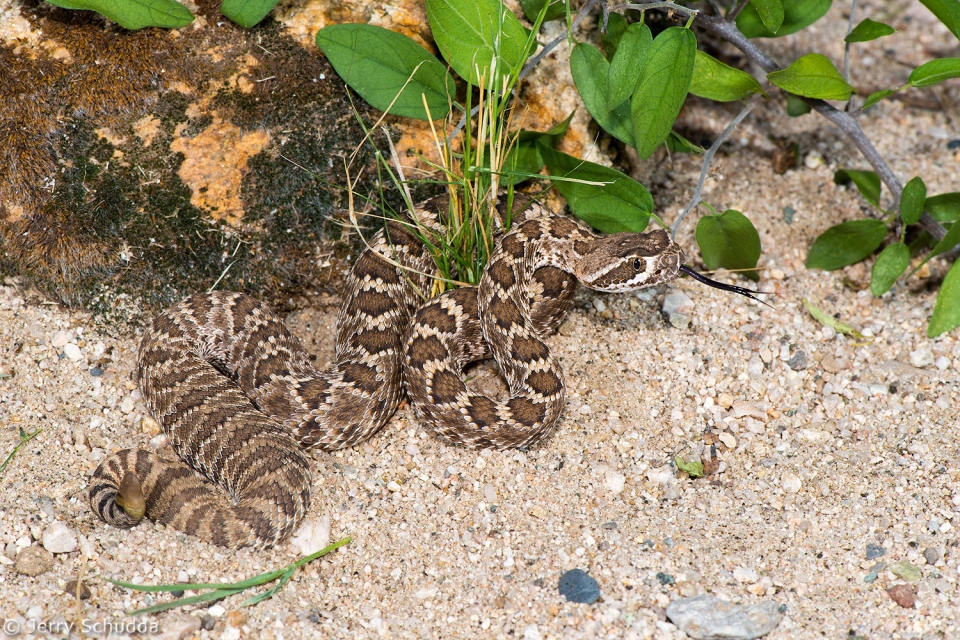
(699, 277)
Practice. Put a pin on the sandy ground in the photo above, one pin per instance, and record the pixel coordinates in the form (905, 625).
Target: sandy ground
(850, 445)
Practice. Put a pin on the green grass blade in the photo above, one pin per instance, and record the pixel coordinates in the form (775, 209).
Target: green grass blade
(182, 602)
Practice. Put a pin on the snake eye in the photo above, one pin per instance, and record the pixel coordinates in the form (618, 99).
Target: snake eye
(636, 264)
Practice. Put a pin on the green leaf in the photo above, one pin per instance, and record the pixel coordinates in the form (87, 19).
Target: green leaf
(692, 469)
(770, 13)
(947, 11)
(911, 201)
(869, 30)
(877, 96)
(797, 15)
(714, 80)
(845, 244)
(796, 107)
(868, 182)
(730, 241)
(247, 13)
(377, 63)
(677, 143)
(662, 89)
(620, 204)
(135, 14)
(616, 27)
(524, 159)
(590, 71)
(946, 311)
(945, 207)
(470, 32)
(949, 241)
(627, 63)
(812, 76)
(890, 265)
(935, 71)
(532, 9)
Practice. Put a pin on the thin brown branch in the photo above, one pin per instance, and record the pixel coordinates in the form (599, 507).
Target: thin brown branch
(846, 122)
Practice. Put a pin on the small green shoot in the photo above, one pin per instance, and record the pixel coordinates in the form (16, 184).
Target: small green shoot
(692, 469)
(217, 591)
(828, 321)
(24, 438)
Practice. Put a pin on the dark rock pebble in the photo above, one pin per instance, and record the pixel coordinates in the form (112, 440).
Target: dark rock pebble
(71, 590)
(207, 622)
(874, 551)
(577, 586)
(609, 526)
(96, 372)
(799, 361)
(954, 144)
(665, 578)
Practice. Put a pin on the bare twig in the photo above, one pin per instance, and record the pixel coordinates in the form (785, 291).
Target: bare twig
(737, 9)
(707, 158)
(645, 5)
(846, 122)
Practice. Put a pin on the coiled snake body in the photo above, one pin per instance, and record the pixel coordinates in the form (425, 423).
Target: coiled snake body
(239, 399)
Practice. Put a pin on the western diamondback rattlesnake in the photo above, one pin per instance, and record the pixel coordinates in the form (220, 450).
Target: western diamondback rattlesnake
(239, 399)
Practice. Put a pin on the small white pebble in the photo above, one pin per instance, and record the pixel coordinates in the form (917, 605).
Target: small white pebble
(216, 610)
(745, 575)
(61, 339)
(585, 409)
(393, 486)
(614, 482)
(728, 440)
(480, 463)
(72, 351)
(791, 483)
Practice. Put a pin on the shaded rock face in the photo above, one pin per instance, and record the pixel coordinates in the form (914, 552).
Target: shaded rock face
(149, 164)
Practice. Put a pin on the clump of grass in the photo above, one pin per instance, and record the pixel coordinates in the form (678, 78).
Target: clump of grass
(475, 159)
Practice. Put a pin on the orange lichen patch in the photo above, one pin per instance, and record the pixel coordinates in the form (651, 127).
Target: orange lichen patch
(106, 134)
(408, 18)
(147, 129)
(213, 166)
(416, 141)
(303, 20)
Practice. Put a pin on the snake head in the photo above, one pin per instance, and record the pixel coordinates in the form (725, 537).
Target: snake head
(130, 496)
(628, 261)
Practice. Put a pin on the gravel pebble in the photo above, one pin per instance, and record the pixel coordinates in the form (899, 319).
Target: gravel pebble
(33, 561)
(874, 551)
(577, 586)
(707, 617)
(906, 570)
(799, 361)
(904, 595)
(72, 351)
(58, 538)
(931, 555)
(313, 535)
